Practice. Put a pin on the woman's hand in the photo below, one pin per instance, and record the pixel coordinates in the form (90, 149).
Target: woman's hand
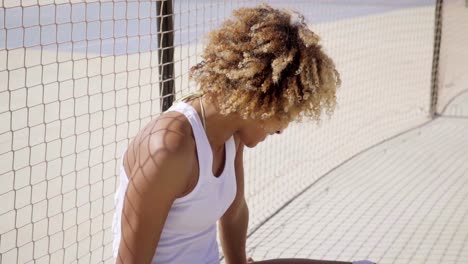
(250, 260)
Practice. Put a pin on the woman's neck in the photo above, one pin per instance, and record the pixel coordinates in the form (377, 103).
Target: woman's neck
(219, 128)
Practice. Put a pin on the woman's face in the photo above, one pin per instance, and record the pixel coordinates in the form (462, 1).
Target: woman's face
(255, 132)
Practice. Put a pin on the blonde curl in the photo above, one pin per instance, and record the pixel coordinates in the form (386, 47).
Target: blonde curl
(265, 63)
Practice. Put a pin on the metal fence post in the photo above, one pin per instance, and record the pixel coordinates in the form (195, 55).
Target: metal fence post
(435, 58)
(165, 28)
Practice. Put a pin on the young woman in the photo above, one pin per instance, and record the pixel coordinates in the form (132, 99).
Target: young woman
(183, 171)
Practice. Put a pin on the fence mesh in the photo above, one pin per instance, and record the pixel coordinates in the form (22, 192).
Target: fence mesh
(78, 79)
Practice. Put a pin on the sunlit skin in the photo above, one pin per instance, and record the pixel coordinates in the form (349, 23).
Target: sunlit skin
(220, 128)
(261, 70)
(162, 165)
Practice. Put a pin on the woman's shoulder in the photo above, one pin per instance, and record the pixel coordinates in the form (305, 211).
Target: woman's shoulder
(171, 131)
(167, 143)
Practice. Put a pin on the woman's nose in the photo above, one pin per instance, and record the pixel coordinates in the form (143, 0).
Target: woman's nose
(276, 132)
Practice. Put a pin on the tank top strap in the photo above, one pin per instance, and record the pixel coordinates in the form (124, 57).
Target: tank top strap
(202, 144)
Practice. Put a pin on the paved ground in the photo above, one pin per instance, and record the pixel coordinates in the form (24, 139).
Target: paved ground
(403, 201)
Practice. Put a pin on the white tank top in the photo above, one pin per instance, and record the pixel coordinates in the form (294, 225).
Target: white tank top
(189, 233)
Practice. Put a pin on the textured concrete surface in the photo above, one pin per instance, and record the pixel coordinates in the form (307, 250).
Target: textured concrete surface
(402, 201)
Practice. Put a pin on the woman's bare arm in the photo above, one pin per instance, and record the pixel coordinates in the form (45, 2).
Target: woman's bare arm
(157, 179)
(234, 223)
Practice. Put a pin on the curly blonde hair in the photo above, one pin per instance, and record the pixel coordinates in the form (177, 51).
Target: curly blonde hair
(262, 65)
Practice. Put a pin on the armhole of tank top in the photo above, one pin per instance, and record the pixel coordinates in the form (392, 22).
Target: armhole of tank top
(195, 190)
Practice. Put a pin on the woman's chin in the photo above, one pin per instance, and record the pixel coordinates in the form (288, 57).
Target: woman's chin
(251, 144)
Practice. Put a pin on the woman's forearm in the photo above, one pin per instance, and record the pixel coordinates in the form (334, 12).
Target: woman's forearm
(233, 234)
